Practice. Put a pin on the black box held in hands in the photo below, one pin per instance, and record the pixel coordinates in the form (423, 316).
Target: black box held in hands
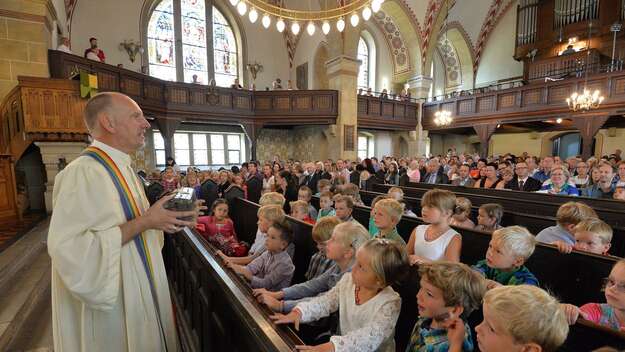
(184, 200)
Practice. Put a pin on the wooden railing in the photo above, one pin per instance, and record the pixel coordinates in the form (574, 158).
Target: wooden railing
(531, 102)
(216, 309)
(201, 102)
(565, 65)
(375, 112)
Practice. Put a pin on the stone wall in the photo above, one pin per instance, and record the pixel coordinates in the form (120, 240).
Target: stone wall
(26, 29)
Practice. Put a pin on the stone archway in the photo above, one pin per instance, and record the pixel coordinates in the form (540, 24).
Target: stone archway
(456, 50)
(320, 76)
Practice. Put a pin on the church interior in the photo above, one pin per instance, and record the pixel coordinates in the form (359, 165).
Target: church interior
(420, 96)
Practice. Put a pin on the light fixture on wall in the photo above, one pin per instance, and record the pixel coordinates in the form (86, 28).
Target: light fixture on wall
(585, 101)
(443, 118)
(132, 48)
(354, 10)
(254, 69)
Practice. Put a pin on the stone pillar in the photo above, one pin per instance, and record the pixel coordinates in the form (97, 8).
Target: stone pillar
(26, 29)
(419, 88)
(55, 155)
(342, 76)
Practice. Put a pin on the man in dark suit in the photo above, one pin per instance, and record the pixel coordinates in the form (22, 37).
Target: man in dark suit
(522, 181)
(354, 177)
(209, 190)
(435, 174)
(254, 182)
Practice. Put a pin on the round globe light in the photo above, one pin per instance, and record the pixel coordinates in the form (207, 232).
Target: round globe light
(253, 15)
(295, 28)
(266, 21)
(340, 24)
(234, 2)
(280, 25)
(354, 19)
(366, 13)
(310, 28)
(376, 5)
(325, 27)
(242, 8)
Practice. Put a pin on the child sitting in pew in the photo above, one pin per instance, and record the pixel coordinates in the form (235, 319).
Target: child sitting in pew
(272, 198)
(325, 205)
(272, 270)
(521, 318)
(372, 228)
(568, 216)
(368, 306)
(218, 229)
(509, 248)
(489, 217)
(299, 210)
(398, 194)
(341, 248)
(321, 232)
(386, 216)
(305, 194)
(323, 185)
(448, 293)
(462, 214)
(267, 216)
(591, 235)
(437, 240)
(610, 314)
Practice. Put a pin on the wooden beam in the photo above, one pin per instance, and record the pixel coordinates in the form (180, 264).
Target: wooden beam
(588, 126)
(484, 132)
(167, 128)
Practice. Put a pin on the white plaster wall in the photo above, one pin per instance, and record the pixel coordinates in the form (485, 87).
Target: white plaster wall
(497, 61)
(305, 52)
(383, 143)
(113, 21)
(471, 15)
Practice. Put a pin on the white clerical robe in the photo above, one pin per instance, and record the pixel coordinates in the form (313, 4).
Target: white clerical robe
(101, 298)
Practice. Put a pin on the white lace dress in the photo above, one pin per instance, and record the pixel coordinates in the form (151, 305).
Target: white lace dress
(366, 327)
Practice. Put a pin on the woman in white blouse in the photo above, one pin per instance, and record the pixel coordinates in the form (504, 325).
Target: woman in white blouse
(368, 307)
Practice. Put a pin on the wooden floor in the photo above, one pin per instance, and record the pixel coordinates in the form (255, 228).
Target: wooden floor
(11, 230)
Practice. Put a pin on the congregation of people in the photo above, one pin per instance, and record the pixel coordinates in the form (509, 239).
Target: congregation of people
(363, 304)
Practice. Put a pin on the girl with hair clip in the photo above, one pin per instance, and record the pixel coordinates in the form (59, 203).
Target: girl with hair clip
(218, 229)
(368, 307)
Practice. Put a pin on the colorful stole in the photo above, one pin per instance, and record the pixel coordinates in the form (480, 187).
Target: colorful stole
(131, 210)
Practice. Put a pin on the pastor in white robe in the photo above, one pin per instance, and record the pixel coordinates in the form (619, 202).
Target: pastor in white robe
(101, 298)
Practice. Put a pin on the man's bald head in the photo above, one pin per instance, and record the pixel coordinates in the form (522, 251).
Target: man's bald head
(109, 103)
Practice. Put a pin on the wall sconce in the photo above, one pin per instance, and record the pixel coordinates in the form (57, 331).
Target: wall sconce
(132, 48)
(254, 69)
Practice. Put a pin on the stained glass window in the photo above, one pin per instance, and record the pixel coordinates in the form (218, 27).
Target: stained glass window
(161, 42)
(192, 52)
(363, 70)
(225, 51)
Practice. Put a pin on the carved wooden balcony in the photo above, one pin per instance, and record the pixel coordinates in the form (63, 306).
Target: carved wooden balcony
(378, 113)
(532, 102)
(204, 103)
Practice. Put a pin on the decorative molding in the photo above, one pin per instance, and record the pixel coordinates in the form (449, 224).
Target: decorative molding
(399, 50)
(493, 17)
(458, 26)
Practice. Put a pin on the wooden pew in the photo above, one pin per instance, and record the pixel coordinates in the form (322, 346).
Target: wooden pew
(532, 214)
(611, 211)
(216, 309)
(574, 278)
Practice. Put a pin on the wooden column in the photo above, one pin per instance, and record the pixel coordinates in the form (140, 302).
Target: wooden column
(167, 128)
(588, 126)
(252, 130)
(484, 132)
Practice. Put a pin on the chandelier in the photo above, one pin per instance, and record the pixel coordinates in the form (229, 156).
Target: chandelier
(443, 118)
(353, 10)
(584, 101)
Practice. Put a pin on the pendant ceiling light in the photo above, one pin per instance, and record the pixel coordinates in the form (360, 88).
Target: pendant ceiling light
(354, 10)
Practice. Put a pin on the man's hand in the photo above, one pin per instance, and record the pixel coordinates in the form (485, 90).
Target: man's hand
(159, 218)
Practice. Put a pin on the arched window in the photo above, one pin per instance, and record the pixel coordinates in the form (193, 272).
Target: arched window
(179, 49)
(363, 70)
